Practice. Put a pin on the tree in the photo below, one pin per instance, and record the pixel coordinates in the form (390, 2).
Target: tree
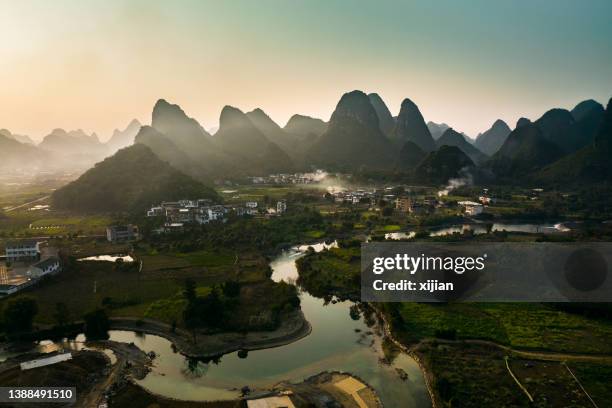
(61, 315)
(190, 291)
(210, 308)
(96, 324)
(19, 314)
(231, 289)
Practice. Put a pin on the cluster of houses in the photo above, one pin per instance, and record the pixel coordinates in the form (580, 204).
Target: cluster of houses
(284, 178)
(413, 206)
(24, 265)
(203, 211)
(406, 203)
(353, 196)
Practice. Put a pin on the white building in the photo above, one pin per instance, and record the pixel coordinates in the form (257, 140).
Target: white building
(115, 233)
(251, 207)
(216, 213)
(45, 267)
(24, 250)
(155, 212)
(281, 206)
(45, 361)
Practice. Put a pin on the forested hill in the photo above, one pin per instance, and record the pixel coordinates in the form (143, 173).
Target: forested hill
(131, 180)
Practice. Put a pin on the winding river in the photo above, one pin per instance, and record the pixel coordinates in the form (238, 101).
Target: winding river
(337, 343)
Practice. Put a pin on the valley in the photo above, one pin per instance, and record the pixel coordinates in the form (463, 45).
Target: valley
(145, 299)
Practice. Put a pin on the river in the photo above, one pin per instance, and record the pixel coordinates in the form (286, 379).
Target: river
(483, 228)
(337, 343)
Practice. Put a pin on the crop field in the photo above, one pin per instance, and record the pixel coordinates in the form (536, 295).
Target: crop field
(468, 373)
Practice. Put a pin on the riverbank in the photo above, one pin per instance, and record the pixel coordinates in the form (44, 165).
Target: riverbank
(293, 327)
(428, 374)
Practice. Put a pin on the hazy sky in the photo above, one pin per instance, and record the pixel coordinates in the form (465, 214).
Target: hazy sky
(96, 65)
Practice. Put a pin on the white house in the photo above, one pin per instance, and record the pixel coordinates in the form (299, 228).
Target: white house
(281, 206)
(23, 250)
(251, 207)
(45, 267)
(216, 213)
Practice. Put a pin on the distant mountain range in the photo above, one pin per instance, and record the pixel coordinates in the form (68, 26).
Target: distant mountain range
(591, 163)
(61, 149)
(20, 138)
(362, 134)
(557, 135)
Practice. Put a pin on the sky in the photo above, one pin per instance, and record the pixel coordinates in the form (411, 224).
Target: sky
(96, 65)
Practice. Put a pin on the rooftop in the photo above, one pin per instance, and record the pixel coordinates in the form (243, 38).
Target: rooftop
(22, 243)
(46, 262)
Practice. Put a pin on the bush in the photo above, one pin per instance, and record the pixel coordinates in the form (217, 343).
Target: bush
(96, 324)
(446, 333)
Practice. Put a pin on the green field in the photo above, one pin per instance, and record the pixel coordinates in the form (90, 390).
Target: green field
(520, 325)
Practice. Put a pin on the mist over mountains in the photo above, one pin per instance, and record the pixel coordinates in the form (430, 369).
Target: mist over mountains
(362, 135)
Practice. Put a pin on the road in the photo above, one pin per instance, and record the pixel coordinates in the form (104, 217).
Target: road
(26, 204)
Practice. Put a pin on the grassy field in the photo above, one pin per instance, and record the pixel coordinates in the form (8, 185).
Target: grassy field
(240, 194)
(157, 290)
(331, 272)
(25, 223)
(520, 325)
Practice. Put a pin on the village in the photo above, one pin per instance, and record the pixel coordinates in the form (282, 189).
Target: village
(290, 178)
(404, 201)
(178, 214)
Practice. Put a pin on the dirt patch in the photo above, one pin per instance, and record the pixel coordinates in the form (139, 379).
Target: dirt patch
(84, 371)
(333, 389)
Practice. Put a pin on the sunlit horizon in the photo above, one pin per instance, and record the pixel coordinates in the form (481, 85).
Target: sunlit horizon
(97, 65)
